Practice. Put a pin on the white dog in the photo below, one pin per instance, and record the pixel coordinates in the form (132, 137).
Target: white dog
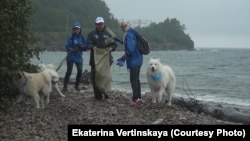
(161, 80)
(36, 85)
(54, 75)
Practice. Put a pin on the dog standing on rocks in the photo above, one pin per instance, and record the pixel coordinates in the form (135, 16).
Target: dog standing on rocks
(36, 85)
(161, 80)
(54, 75)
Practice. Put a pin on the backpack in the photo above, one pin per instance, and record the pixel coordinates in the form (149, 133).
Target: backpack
(142, 44)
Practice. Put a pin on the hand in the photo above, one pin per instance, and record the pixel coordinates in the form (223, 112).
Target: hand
(109, 49)
(82, 48)
(120, 62)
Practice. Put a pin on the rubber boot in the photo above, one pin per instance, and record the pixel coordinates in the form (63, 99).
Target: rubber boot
(78, 78)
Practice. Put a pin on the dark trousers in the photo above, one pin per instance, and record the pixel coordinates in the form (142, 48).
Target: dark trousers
(69, 71)
(135, 82)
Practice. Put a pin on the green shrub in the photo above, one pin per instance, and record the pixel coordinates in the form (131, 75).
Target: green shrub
(17, 44)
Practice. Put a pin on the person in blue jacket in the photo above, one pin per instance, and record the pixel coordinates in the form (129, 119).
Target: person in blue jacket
(133, 58)
(75, 46)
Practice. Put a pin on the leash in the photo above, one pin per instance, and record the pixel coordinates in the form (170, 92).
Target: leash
(64, 59)
(61, 63)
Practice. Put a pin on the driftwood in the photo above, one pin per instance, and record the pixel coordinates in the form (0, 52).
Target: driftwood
(229, 114)
(85, 78)
(223, 112)
(216, 110)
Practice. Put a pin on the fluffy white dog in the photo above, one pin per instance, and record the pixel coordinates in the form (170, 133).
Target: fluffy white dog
(36, 85)
(54, 75)
(161, 80)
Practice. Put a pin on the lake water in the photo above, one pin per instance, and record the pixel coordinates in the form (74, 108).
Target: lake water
(217, 75)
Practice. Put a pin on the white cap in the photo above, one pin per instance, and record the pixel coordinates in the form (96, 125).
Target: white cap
(99, 20)
(77, 27)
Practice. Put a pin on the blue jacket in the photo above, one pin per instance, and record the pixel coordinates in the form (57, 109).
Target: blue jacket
(73, 43)
(134, 58)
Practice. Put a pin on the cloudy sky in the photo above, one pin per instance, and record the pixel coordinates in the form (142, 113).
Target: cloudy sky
(210, 23)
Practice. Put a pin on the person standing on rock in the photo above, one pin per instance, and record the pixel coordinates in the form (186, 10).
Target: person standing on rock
(99, 39)
(75, 46)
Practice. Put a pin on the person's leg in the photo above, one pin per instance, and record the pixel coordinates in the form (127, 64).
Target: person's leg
(97, 93)
(67, 74)
(78, 75)
(135, 83)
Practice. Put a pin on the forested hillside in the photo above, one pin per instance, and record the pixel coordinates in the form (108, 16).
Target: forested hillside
(53, 19)
(168, 35)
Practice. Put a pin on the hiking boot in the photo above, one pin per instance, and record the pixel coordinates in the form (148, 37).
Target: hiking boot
(106, 96)
(77, 89)
(65, 89)
(98, 97)
(138, 102)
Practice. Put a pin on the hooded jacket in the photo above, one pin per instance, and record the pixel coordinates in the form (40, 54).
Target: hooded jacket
(75, 45)
(133, 57)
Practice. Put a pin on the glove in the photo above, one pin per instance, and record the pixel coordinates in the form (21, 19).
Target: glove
(81, 47)
(120, 62)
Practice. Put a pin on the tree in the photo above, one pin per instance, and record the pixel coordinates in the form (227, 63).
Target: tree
(168, 35)
(16, 44)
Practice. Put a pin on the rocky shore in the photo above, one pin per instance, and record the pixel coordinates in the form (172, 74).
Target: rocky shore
(23, 122)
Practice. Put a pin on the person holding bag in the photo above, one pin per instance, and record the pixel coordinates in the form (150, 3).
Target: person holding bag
(98, 40)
